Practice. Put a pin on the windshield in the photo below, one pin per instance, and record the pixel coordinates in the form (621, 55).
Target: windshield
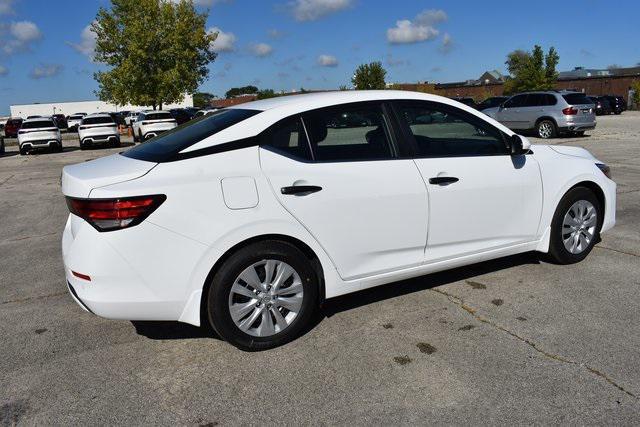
(162, 148)
(38, 124)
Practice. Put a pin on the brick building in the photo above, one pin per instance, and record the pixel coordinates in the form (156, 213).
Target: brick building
(604, 82)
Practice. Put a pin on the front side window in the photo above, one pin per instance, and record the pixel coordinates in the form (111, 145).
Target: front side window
(516, 101)
(447, 132)
(349, 132)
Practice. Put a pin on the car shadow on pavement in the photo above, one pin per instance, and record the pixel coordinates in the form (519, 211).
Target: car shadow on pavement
(417, 284)
(170, 330)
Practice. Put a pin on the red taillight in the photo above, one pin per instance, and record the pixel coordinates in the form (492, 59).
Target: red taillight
(81, 276)
(115, 214)
(570, 111)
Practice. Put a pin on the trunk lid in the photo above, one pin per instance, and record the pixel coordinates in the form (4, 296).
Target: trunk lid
(78, 180)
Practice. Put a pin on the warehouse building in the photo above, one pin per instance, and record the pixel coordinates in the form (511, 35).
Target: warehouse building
(88, 107)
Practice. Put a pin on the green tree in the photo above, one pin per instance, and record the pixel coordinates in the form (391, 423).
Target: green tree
(244, 90)
(156, 51)
(636, 95)
(531, 70)
(267, 93)
(369, 76)
(202, 99)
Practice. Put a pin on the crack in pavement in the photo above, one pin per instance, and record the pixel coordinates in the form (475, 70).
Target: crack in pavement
(617, 250)
(473, 312)
(6, 180)
(57, 294)
(17, 239)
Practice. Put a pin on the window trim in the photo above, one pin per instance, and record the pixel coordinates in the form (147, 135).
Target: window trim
(437, 106)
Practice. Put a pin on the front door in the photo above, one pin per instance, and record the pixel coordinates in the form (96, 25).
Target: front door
(364, 205)
(480, 197)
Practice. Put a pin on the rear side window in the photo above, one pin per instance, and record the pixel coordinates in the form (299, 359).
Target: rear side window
(576, 99)
(288, 137)
(97, 120)
(164, 147)
(534, 100)
(39, 124)
(349, 133)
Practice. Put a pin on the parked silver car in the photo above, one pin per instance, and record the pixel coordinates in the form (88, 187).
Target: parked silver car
(549, 113)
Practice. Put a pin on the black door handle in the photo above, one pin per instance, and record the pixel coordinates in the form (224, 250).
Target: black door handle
(443, 180)
(300, 189)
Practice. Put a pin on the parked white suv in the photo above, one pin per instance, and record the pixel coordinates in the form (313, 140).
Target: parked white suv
(131, 117)
(152, 123)
(39, 133)
(73, 122)
(98, 129)
(253, 215)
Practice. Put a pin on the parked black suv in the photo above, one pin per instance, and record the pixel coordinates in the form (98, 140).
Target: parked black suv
(618, 105)
(602, 105)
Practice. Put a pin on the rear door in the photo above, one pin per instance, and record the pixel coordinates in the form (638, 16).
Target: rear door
(348, 186)
(480, 197)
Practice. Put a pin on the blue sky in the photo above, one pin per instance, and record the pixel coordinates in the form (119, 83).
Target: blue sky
(316, 44)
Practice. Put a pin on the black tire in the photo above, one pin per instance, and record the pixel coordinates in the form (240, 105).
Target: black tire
(557, 251)
(117, 143)
(23, 152)
(546, 129)
(83, 146)
(579, 133)
(58, 148)
(218, 298)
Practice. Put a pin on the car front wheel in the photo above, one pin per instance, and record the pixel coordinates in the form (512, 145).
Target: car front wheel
(575, 227)
(263, 296)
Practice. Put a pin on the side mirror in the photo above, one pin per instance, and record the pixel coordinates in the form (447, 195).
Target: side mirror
(519, 145)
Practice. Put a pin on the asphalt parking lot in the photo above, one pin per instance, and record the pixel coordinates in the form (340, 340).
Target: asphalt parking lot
(515, 340)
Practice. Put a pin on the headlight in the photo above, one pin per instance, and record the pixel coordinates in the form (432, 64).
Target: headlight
(606, 170)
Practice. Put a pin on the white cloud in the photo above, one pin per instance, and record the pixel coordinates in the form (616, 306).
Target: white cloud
(431, 17)
(6, 7)
(87, 43)
(18, 36)
(45, 70)
(261, 49)
(420, 29)
(225, 42)
(311, 10)
(327, 61)
(3, 71)
(447, 43)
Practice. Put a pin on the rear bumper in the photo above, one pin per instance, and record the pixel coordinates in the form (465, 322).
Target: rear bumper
(577, 127)
(48, 143)
(128, 279)
(100, 139)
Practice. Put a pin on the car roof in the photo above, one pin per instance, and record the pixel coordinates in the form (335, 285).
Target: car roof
(275, 109)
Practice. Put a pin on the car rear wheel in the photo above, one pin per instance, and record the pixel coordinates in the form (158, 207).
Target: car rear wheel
(263, 296)
(546, 129)
(23, 151)
(575, 227)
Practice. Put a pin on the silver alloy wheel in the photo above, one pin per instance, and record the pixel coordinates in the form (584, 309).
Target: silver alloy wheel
(266, 298)
(545, 130)
(579, 226)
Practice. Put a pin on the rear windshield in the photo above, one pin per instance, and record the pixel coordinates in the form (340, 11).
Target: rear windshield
(157, 116)
(38, 124)
(577, 99)
(75, 117)
(96, 120)
(165, 146)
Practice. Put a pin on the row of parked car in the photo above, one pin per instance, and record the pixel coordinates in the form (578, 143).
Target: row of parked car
(38, 132)
(549, 113)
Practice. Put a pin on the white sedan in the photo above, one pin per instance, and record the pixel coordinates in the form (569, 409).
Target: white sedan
(255, 214)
